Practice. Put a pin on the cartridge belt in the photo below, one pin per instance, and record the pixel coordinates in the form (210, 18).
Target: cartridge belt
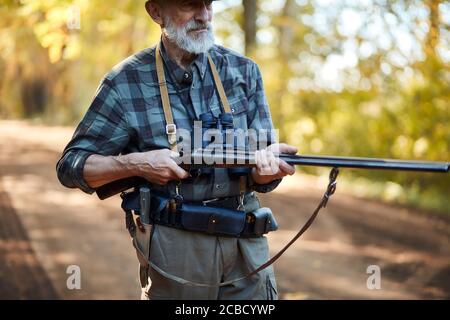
(216, 217)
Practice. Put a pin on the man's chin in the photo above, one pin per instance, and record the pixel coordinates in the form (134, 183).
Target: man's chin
(199, 37)
(200, 46)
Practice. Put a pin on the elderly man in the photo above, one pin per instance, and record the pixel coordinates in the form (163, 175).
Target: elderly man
(130, 129)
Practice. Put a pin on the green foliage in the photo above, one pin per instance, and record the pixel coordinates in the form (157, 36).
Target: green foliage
(51, 68)
(381, 106)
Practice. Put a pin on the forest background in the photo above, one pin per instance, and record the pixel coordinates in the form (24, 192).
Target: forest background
(350, 78)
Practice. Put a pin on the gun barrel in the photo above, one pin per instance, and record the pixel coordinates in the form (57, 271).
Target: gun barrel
(367, 163)
(236, 159)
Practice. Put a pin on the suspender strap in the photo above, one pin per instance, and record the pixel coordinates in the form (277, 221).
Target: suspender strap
(219, 86)
(171, 128)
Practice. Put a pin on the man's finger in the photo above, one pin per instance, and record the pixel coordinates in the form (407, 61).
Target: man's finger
(287, 168)
(178, 172)
(274, 162)
(275, 148)
(174, 154)
(176, 157)
(263, 162)
(258, 159)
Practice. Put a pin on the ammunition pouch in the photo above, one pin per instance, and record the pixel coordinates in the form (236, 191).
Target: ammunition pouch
(212, 220)
(209, 219)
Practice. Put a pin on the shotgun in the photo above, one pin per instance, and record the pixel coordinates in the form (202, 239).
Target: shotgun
(202, 158)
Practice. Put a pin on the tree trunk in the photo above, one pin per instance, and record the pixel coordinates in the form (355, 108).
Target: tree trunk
(249, 24)
(286, 32)
(432, 39)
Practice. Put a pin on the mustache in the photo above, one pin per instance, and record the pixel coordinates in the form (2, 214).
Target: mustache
(193, 25)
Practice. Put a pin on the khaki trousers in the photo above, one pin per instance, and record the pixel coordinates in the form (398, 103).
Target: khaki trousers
(208, 259)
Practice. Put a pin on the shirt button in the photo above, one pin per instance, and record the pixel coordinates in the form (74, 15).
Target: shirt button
(218, 186)
(186, 75)
(232, 110)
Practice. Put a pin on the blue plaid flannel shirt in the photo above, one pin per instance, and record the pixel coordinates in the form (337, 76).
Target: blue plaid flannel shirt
(126, 115)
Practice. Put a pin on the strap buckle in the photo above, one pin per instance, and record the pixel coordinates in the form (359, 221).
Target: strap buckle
(171, 129)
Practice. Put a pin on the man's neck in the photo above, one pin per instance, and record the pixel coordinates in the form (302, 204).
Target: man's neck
(175, 53)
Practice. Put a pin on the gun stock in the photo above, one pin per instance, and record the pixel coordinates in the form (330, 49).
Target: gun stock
(118, 186)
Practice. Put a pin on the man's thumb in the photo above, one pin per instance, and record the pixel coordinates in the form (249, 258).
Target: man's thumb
(285, 148)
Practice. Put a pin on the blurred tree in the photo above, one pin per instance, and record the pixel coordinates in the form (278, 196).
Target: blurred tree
(249, 24)
(50, 65)
(362, 78)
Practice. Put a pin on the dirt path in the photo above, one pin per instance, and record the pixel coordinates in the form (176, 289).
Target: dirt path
(21, 274)
(58, 227)
(66, 227)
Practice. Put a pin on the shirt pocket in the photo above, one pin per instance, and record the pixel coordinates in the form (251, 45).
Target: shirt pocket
(239, 109)
(149, 124)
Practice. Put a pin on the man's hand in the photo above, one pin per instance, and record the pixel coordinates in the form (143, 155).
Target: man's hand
(158, 166)
(269, 167)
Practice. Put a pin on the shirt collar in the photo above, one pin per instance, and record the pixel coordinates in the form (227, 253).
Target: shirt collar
(177, 72)
(201, 62)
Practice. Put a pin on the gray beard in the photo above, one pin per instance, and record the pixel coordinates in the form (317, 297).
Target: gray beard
(192, 44)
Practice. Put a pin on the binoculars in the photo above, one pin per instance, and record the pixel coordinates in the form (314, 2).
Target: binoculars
(218, 133)
(214, 128)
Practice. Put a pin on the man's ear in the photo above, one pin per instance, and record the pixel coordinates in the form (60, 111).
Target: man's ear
(154, 11)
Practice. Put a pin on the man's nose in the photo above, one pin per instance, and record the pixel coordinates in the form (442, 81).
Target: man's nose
(203, 14)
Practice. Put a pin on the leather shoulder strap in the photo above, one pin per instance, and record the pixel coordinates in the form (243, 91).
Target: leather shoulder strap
(171, 128)
(219, 86)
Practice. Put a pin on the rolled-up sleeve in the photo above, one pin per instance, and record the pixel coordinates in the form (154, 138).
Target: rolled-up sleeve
(259, 120)
(103, 131)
